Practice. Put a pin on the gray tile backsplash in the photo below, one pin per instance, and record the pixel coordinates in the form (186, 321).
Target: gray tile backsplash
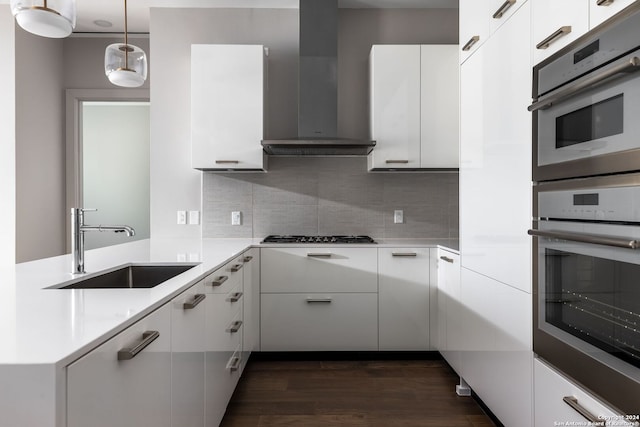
(330, 195)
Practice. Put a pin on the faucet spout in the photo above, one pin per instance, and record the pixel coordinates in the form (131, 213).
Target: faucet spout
(78, 228)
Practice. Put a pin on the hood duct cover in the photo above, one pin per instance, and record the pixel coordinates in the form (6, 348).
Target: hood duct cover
(318, 88)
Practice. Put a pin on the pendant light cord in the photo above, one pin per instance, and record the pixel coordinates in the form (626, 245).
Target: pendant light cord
(126, 39)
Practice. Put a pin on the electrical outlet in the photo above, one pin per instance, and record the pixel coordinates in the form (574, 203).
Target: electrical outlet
(398, 217)
(182, 217)
(194, 217)
(236, 218)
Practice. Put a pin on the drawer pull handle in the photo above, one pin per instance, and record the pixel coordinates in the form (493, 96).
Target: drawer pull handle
(473, 40)
(129, 353)
(235, 297)
(219, 281)
(562, 31)
(505, 6)
(197, 299)
(247, 258)
(235, 268)
(227, 162)
(573, 402)
(234, 327)
(404, 162)
(319, 300)
(320, 254)
(234, 364)
(404, 254)
(446, 259)
(604, 2)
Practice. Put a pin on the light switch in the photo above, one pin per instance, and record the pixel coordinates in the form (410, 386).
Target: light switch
(182, 217)
(398, 217)
(194, 217)
(236, 218)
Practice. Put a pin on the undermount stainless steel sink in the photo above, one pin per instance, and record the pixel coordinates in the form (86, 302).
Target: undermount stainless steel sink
(128, 276)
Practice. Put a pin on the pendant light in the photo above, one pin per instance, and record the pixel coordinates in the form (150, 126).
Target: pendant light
(46, 18)
(125, 64)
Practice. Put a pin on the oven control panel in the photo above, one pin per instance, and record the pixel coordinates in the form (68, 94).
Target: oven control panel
(620, 204)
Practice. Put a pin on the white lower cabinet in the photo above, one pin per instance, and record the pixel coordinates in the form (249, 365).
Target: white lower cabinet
(403, 296)
(449, 307)
(551, 390)
(124, 382)
(187, 357)
(251, 304)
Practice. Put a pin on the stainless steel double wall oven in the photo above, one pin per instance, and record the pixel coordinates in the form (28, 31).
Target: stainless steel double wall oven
(586, 165)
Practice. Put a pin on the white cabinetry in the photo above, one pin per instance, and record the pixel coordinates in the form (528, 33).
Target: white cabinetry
(319, 299)
(556, 24)
(187, 357)
(551, 388)
(449, 307)
(414, 103)
(403, 278)
(133, 391)
(227, 106)
(600, 11)
(251, 304)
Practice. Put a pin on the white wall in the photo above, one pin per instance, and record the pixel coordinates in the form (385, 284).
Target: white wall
(7, 139)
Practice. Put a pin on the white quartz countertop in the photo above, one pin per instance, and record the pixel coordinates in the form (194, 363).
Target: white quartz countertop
(56, 326)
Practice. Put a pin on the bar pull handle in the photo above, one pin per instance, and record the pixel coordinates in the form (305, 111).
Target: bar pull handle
(501, 11)
(404, 162)
(473, 40)
(129, 353)
(235, 268)
(604, 2)
(197, 299)
(227, 162)
(234, 327)
(219, 280)
(319, 254)
(628, 66)
(235, 297)
(404, 254)
(562, 31)
(447, 259)
(247, 258)
(319, 300)
(573, 402)
(234, 364)
(616, 242)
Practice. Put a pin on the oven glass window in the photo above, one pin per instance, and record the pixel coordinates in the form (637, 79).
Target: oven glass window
(596, 300)
(595, 121)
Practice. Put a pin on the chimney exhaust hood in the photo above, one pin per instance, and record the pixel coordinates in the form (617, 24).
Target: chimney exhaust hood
(318, 89)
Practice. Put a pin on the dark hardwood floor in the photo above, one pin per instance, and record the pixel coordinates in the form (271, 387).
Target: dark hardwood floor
(351, 393)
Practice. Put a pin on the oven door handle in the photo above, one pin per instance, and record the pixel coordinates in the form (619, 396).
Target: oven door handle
(631, 65)
(618, 242)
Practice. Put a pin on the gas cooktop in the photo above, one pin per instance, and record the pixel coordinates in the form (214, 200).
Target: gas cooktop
(318, 239)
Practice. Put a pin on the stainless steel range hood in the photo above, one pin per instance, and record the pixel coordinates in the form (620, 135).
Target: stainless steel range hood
(318, 89)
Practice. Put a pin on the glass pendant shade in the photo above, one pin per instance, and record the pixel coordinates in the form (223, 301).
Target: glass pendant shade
(125, 65)
(46, 18)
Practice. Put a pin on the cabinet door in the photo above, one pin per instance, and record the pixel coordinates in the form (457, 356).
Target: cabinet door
(556, 24)
(187, 357)
(439, 104)
(227, 106)
(475, 24)
(598, 13)
(403, 297)
(550, 408)
(251, 305)
(395, 106)
(319, 322)
(495, 170)
(105, 391)
(448, 307)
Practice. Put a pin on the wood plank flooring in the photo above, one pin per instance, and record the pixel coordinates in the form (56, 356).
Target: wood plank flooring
(351, 393)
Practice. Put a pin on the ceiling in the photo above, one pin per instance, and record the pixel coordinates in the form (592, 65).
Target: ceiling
(88, 11)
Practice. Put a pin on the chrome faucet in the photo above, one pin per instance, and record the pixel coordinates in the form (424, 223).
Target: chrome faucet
(78, 228)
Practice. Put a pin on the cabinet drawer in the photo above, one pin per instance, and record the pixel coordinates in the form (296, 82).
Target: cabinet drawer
(319, 269)
(223, 333)
(225, 278)
(319, 322)
(550, 390)
(222, 375)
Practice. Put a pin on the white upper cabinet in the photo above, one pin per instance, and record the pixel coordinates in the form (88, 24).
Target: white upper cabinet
(556, 24)
(475, 25)
(228, 86)
(601, 10)
(414, 107)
